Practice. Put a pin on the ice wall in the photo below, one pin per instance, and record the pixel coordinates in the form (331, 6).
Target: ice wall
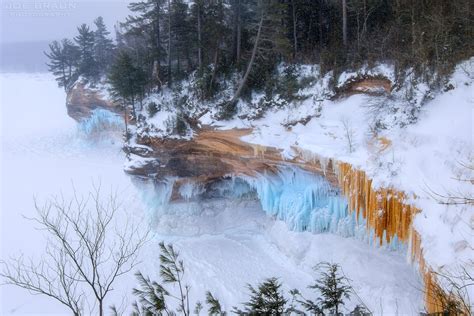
(303, 200)
(101, 120)
(306, 202)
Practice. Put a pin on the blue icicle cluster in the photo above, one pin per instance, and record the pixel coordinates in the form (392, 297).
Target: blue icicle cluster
(305, 202)
(101, 120)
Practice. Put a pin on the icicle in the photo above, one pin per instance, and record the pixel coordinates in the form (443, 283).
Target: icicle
(305, 202)
(190, 190)
(99, 121)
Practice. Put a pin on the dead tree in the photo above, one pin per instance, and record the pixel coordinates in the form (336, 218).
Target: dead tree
(457, 197)
(348, 133)
(88, 248)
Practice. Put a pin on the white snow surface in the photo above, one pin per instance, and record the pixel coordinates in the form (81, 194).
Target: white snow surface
(224, 244)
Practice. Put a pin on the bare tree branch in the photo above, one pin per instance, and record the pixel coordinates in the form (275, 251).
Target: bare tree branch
(88, 248)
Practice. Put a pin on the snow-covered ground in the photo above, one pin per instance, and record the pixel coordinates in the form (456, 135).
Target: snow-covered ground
(224, 243)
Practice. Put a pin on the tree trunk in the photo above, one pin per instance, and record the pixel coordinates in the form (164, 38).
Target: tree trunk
(125, 119)
(239, 32)
(344, 23)
(252, 59)
(214, 69)
(156, 64)
(101, 308)
(199, 35)
(295, 40)
(320, 17)
(169, 42)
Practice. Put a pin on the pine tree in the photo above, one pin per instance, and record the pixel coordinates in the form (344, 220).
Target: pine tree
(266, 299)
(181, 32)
(332, 286)
(127, 80)
(103, 46)
(85, 42)
(270, 44)
(215, 308)
(63, 62)
(148, 23)
(151, 297)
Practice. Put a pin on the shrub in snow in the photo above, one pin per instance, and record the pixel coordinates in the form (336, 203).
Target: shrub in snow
(206, 85)
(152, 109)
(360, 310)
(226, 110)
(177, 125)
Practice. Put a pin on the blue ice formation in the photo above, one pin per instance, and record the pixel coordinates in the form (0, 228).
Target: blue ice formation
(306, 202)
(155, 194)
(303, 200)
(101, 120)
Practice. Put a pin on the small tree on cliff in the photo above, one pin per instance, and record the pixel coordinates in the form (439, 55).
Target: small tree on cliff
(85, 42)
(127, 80)
(103, 45)
(63, 62)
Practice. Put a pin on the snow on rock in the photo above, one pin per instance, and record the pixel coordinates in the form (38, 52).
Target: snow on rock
(83, 98)
(424, 158)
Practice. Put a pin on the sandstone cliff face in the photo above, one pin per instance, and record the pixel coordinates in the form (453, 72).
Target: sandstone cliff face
(210, 155)
(82, 100)
(370, 85)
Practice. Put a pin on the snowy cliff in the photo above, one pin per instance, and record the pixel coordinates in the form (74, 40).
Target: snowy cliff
(384, 161)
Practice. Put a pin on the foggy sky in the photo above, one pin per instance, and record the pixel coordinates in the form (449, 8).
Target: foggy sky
(39, 20)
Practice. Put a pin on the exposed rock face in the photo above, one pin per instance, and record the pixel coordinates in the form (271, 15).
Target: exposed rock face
(371, 85)
(210, 155)
(82, 100)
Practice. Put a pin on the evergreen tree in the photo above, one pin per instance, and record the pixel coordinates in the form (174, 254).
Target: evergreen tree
(212, 42)
(181, 36)
(266, 299)
(360, 310)
(332, 286)
(151, 297)
(85, 42)
(148, 23)
(215, 308)
(127, 80)
(63, 62)
(103, 46)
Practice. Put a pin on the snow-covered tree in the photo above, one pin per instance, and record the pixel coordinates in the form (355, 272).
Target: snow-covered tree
(85, 41)
(103, 45)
